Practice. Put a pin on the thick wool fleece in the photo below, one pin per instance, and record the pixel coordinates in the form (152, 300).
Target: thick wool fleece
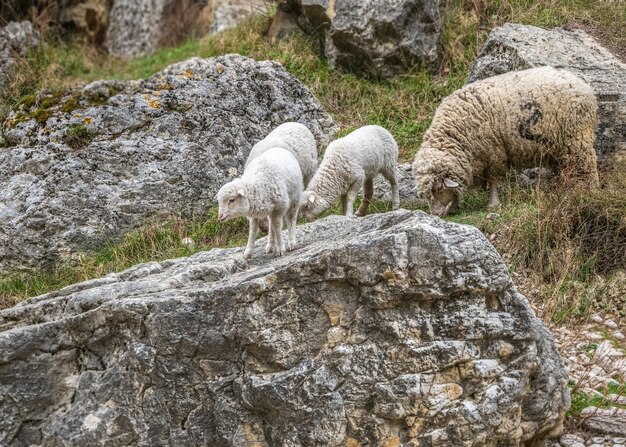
(540, 116)
(297, 139)
(353, 159)
(269, 190)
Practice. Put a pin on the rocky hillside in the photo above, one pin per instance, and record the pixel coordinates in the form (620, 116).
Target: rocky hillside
(395, 329)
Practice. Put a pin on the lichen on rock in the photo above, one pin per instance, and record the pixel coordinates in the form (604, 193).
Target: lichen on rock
(86, 166)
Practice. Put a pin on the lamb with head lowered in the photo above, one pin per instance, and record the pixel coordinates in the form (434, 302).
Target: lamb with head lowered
(270, 187)
(297, 139)
(350, 163)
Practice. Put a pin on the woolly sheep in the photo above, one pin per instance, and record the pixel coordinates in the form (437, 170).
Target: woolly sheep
(349, 163)
(521, 119)
(270, 187)
(297, 139)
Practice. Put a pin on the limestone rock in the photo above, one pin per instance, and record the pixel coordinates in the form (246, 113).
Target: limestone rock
(406, 186)
(392, 329)
(16, 38)
(610, 421)
(88, 17)
(106, 158)
(140, 27)
(518, 47)
(229, 13)
(380, 38)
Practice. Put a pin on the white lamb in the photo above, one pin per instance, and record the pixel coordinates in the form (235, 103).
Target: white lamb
(270, 187)
(297, 139)
(349, 163)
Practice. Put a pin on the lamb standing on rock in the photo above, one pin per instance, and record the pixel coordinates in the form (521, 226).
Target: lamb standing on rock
(297, 139)
(349, 163)
(529, 118)
(270, 187)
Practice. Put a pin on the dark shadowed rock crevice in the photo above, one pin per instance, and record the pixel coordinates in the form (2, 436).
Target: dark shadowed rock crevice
(393, 329)
(102, 160)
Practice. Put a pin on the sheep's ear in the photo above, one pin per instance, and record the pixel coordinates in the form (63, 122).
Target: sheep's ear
(450, 183)
(312, 198)
(241, 192)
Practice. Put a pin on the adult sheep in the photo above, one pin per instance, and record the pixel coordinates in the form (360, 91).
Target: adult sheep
(297, 139)
(536, 117)
(270, 187)
(350, 163)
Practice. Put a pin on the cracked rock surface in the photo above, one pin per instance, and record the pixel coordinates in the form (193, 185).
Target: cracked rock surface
(16, 38)
(114, 154)
(392, 329)
(518, 47)
(379, 38)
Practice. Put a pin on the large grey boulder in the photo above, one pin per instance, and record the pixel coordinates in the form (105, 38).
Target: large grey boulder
(380, 38)
(140, 27)
(16, 38)
(392, 329)
(518, 47)
(229, 13)
(100, 161)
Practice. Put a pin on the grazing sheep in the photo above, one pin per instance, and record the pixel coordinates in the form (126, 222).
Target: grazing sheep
(349, 163)
(297, 139)
(528, 118)
(270, 187)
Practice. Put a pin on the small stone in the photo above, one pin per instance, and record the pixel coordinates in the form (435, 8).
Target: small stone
(619, 440)
(493, 216)
(619, 336)
(598, 440)
(596, 318)
(570, 440)
(611, 324)
(187, 241)
(593, 336)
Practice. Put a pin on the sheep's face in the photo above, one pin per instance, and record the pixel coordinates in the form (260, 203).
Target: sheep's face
(312, 205)
(232, 202)
(444, 197)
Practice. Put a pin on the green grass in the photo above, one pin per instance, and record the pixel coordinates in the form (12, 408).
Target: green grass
(581, 400)
(565, 244)
(153, 242)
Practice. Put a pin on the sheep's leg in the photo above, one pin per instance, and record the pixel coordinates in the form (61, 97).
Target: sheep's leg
(494, 199)
(344, 204)
(276, 228)
(269, 247)
(395, 193)
(291, 224)
(253, 230)
(368, 192)
(350, 198)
